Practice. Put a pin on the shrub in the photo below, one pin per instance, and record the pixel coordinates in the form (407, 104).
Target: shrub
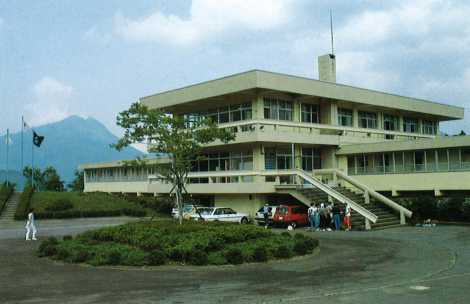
(234, 256)
(287, 234)
(135, 257)
(80, 256)
(60, 204)
(67, 237)
(300, 247)
(156, 258)
(216, 258)
(197, 257)
(283, 252)
(48, 247)
(260, 254)
(24, 203)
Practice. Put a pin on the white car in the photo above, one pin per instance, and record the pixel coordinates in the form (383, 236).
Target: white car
(222, 214)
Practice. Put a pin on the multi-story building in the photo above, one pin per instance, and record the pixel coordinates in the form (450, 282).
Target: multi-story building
(304, 140)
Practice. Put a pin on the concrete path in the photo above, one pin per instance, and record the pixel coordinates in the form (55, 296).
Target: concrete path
(402, 265)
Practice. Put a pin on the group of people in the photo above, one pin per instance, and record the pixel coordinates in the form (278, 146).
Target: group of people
(327, 217)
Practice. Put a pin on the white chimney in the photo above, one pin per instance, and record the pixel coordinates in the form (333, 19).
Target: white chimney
(327, 68)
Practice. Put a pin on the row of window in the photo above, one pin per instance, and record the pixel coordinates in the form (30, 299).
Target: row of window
(223, 161)
(280, 109)
(410, 161)
(281, 159)
(222, 114)
(368, 120)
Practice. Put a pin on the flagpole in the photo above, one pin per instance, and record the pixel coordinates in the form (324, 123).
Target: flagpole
(32, 165)
(8, 144)
(22, 130)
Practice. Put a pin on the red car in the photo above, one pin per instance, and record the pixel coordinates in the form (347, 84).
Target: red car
(295, 215)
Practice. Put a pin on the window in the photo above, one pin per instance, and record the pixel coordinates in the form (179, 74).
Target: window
(429, 127)
(368, 120)
(410, 125)
(311, 159)
(277, 159)
(390, 122)
(419, 160)
(222, 114)
(310, 113)
(277, 109)
(223, 161)
(345, 117)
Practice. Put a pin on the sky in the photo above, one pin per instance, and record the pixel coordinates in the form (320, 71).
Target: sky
(95, 58)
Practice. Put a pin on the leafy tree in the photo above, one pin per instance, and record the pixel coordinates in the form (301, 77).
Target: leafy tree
(182, 140)
(38, 178)
(48, 180)
(78, 183)
(51, 180)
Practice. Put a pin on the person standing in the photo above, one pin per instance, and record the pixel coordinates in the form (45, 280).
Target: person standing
(347, 217)
(336, 216)
(31, 226)
(311, 216)
(266, 212)
(316, 215)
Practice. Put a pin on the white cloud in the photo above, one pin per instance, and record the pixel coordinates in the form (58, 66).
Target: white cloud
(51, 101)
(207, 18)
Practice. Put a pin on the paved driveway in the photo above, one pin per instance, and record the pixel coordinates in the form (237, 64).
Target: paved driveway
(403, 265)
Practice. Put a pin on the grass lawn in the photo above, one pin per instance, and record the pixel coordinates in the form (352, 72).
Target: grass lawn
(165, 242)
(78, 204)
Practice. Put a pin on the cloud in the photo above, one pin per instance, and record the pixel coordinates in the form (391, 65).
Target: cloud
(207, 18)
(51, 101)
(96, 36)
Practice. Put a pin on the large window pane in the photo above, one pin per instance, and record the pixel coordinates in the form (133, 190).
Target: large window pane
(410, 125)
(368, 120)
(390, 122)
(345, 117)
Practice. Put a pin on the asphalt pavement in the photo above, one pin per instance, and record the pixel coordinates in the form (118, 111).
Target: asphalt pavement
(400, 265)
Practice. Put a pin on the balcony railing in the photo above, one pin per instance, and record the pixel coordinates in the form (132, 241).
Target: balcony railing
(418, 168)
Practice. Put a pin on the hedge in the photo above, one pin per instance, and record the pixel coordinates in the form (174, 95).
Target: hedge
(166, 242)
(5, 193)
(445, 209)
(24, 203)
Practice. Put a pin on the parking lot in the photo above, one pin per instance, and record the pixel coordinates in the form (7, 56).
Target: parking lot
(402, 265)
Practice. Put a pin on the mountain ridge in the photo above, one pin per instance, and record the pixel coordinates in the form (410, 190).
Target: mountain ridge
(67, 143)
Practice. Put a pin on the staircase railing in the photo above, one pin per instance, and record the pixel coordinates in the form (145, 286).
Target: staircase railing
(369, 216)
(368, 192)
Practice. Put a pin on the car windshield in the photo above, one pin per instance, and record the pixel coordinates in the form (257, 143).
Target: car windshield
(205, 211)
(188, 208)
(282, 210)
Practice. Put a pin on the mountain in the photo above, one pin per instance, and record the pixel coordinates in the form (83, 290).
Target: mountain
(67, 143)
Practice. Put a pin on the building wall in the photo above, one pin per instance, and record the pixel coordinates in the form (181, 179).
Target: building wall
(439, 181)
(240, 202)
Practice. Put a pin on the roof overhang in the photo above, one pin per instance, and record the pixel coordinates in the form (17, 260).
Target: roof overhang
(252, 81)
(408, 145)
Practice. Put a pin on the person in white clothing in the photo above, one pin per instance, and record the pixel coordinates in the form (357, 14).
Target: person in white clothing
(30, 226)
(347, 217)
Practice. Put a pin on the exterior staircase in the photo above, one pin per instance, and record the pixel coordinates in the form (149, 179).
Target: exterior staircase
(386, 217)
(8, 213)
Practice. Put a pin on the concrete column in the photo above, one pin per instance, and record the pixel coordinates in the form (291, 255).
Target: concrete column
(366, 198)
(334, 113)
(400, 123)
(298, 156)
(367, 224)
(258, 107)
(402, 218)
(355, 118)
(296, 110)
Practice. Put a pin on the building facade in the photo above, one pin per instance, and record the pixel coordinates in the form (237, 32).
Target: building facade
(296, 136)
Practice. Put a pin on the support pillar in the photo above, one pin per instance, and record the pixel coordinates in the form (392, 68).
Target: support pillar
(402, 218)
(366, 197)
(367, 224)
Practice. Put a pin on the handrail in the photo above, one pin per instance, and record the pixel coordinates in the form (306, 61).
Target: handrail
(336, 195)
(370, 191)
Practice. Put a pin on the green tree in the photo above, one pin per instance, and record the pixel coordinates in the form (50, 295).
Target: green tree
(48, 180)
(181, 139)
(51, 180)
(38, 178)
(78, 183)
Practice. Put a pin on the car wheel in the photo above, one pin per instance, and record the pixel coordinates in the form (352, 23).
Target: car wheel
(244, 220)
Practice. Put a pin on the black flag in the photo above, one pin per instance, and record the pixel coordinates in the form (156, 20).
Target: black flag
(37, 140)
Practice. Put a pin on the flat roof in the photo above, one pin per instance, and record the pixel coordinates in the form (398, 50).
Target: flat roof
(121, 163)
(258, 79)
(417, 144)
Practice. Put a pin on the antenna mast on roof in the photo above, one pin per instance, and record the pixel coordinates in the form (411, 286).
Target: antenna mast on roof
(331, 32)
